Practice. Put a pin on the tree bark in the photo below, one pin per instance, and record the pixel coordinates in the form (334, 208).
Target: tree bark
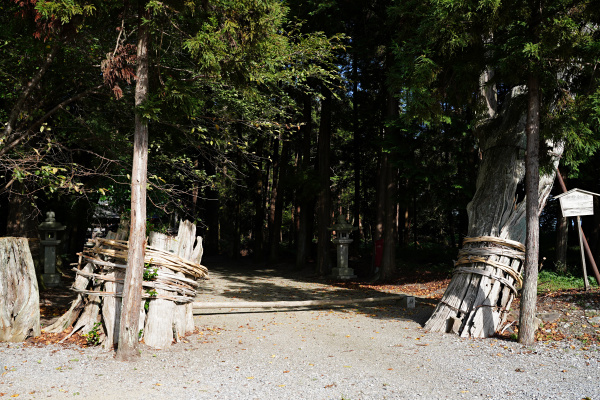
(19, 295)
(527, 327)
(324, 199)
(474, 304)
(356, 144)
(276, 202)
(132, 290)
(562, 234)
(306, 210)
(389, 176)
(259, 204)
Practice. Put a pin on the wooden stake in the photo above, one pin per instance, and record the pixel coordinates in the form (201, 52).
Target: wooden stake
(586, 283)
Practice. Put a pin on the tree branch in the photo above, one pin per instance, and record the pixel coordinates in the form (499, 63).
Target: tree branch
(23, 134)
(16, 110)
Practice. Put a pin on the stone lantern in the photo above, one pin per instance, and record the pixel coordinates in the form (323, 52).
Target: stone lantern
(342, 239)
(48, 231)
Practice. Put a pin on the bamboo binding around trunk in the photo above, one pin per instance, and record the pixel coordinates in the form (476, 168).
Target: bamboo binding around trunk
(173, 268)
(478, 300)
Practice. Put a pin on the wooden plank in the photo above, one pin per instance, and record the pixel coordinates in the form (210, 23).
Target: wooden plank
(295, 303)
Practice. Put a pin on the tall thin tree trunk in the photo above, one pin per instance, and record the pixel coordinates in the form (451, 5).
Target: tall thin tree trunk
(259, 204)
(212, 205)
(278, 212)
(274, 225)
(389, 176)
(132, 290)
(356, 143)
(306, 209)
(532, 179)
(324, 199)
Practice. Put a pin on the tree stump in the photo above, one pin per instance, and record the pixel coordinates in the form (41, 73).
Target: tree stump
(19, 295)
(172, 268)
(169, 320)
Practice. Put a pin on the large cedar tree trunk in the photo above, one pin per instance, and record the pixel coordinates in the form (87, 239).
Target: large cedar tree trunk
(476, 304)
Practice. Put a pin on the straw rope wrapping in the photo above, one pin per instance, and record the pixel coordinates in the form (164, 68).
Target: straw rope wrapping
(154, 256)
(504, 247)
(167, 274)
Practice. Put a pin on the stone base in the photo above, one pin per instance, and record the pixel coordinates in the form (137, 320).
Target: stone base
(51, 280)
(408, 302)
(343, 273)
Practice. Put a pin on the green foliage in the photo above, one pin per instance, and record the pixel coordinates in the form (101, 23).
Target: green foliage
(150, 273)
(93, 336)
(64, 10)
(549, 281)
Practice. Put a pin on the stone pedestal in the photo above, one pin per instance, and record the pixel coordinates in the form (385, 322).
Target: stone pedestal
(342, 271)
(49, 229)
(50, 277)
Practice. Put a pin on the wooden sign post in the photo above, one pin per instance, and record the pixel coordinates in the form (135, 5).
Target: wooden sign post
(576, 203)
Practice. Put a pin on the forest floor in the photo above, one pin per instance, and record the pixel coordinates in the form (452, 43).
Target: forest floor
(565, 315)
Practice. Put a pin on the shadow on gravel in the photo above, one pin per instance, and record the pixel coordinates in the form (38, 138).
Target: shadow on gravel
(245, 281)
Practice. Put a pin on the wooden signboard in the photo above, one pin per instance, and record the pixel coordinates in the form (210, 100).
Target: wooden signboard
(577, 202)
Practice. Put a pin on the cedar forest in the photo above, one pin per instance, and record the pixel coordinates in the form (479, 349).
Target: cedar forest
(266, 120)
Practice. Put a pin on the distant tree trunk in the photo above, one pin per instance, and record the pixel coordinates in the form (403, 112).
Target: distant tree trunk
(278, 220)
(236, 239)
(21, 220)
(389, 177)
(211, 212)
(306, 209)
(132, 290)
(562, 235)
(527, 327)
(380, 196)
(195, 195)
(595, 237)
(388, 260)
(259, 204)
(324, 197)
(356, 144)
(276, 206)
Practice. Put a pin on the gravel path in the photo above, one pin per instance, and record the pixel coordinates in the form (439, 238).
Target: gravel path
(374, 352)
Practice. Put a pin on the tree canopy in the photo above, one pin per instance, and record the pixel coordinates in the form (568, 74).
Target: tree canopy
(262, 112)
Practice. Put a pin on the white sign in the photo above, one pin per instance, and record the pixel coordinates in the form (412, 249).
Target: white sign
(577, 202)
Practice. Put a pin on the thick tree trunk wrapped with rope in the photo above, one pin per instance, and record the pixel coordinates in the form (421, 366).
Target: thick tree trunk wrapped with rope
(173, 270)
(19, 295)
(487, 274)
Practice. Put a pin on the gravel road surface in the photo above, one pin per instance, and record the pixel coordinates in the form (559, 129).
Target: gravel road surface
(379, 351)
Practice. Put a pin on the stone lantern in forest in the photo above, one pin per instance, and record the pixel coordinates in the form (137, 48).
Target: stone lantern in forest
(48, 231)
(342, 240)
